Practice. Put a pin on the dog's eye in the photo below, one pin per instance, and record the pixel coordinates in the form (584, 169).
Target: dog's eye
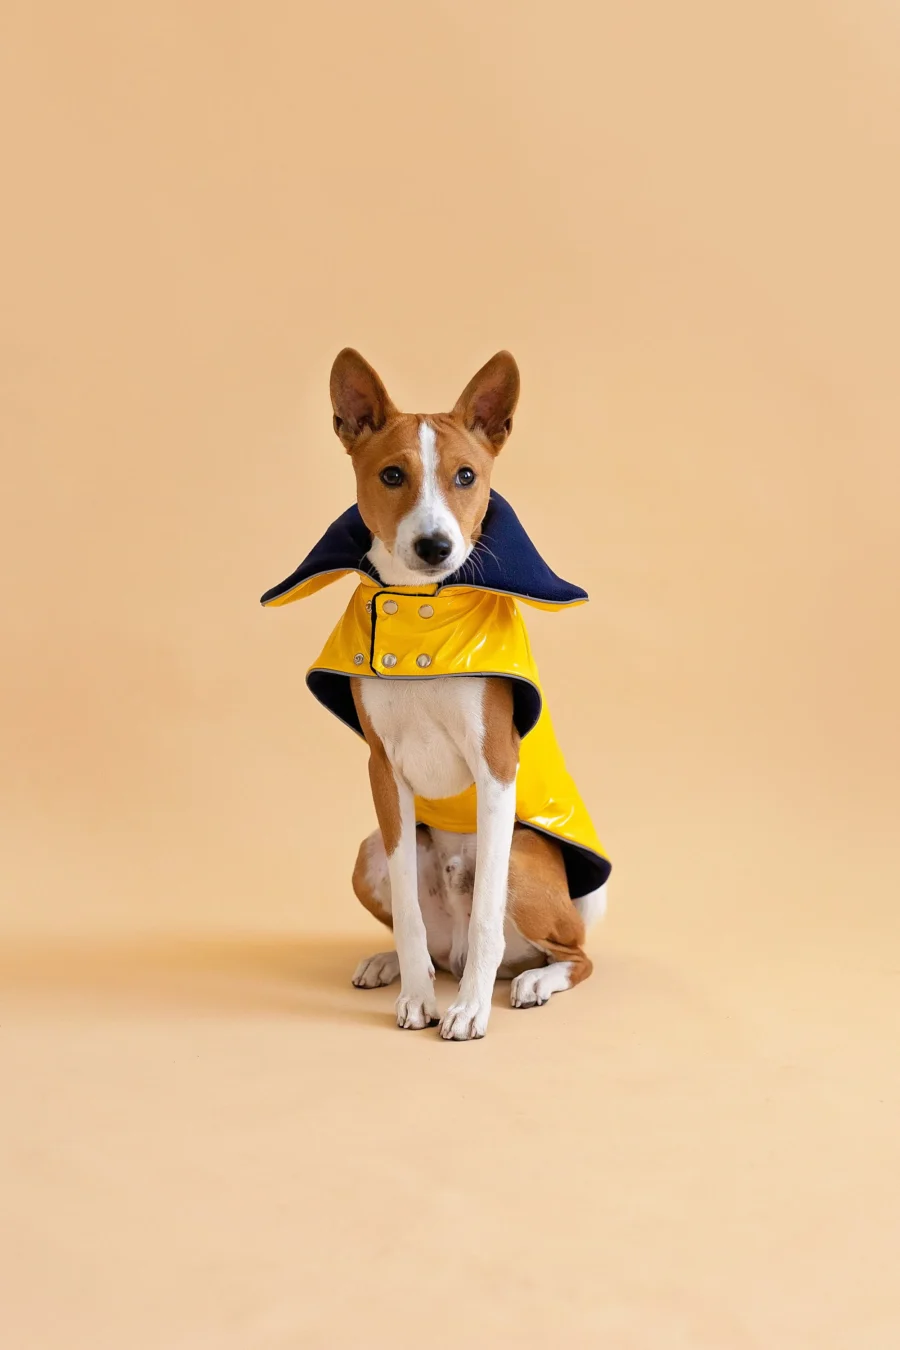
(391, 476)
(465, 477)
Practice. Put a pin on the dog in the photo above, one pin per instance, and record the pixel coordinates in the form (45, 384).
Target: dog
(485, 861)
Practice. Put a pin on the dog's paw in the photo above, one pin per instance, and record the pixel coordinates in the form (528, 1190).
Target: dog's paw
(465, 1021)
(416, 1011)
(533, 988)
(375, 971)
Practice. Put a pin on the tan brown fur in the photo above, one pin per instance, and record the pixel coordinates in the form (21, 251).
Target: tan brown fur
(539, 903)
(362, 887)
(381, 777)
(500, 745)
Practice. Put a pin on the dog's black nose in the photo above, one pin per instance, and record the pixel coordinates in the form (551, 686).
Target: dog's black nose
(433, 548)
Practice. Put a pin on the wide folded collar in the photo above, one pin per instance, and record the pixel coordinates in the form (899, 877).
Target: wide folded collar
(504, 560)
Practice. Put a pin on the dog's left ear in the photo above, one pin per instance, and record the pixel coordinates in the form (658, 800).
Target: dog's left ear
(488, 402)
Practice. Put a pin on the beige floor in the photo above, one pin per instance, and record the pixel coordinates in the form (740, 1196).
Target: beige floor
(213, 1140)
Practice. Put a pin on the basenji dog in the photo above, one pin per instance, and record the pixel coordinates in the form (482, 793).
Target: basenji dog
(484, 863)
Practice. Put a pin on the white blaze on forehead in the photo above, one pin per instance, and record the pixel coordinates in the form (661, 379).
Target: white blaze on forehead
(431, 513)
(431, 499)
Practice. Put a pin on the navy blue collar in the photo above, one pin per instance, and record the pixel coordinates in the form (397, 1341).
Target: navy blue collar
(503, 560)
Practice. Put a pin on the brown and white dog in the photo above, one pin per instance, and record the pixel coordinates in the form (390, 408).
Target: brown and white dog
(480, 904)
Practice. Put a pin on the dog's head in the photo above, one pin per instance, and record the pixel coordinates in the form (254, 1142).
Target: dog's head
(422, 481)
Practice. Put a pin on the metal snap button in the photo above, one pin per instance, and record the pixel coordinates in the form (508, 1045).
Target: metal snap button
(368, 606)
(423, 660)
(389, 660)
(358, 659)
(426, 611)
(390, 606)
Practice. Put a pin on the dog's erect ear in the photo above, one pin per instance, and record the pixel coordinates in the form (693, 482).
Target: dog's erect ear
(359, 399)
(489, 399)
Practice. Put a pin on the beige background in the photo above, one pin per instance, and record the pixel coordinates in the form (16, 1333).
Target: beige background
(683, 219)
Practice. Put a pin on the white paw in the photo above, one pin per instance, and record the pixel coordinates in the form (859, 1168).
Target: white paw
(465, 1021)
(383, 968)
(416, 1011)
(534, 987)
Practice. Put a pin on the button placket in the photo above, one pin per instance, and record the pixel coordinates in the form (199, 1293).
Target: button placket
(388, 607)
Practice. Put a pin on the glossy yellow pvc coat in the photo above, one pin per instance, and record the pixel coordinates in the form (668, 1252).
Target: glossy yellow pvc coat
(411, 633)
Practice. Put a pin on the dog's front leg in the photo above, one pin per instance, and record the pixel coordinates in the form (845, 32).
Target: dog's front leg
(467, 1018)
(416, 1006)
(395, 808)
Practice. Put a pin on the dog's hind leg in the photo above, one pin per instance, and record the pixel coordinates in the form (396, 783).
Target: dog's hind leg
(372, 887)
(543, 913)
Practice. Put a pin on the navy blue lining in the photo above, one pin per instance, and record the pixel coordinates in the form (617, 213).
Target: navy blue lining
(504, 559)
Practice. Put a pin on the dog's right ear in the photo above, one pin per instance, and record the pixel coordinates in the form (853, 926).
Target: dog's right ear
(360, 401)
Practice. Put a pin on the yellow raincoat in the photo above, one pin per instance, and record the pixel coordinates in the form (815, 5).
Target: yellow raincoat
(468, 625)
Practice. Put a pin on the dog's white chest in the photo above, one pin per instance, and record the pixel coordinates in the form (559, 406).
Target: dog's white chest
(432, 730)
